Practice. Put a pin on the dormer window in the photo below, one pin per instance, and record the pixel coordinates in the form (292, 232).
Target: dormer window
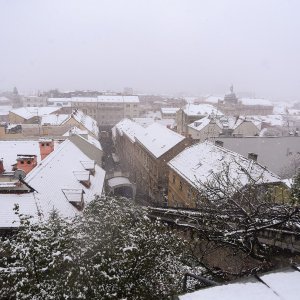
(89, 165)
(83, 177)
(75, 197)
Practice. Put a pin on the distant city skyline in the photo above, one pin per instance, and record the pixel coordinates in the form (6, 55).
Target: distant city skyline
(161, 47)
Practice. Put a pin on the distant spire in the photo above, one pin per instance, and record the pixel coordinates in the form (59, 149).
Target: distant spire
(231, 88)
(15, 91)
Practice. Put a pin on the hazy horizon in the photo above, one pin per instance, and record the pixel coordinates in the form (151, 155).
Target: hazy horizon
(171, 47)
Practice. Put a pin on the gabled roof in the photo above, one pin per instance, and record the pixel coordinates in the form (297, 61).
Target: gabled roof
(10, 149)
(54, 119)
(89, 123)
(57, 176)
(129, 128)
(255, 101)
(83, 134)
(30, 112)
(203, 122)
(201, 110)
(59, 172)
(158, 139)
(201, 161)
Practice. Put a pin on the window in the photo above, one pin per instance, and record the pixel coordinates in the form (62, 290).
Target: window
(180, 185)
(174, 178)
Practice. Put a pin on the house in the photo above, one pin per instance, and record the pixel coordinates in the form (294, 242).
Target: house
(25, 154)
(154, 147)
(145, 152)
(169, 112)
(193, 112)
(86, 143)
(204, 128)
(82, 121)
(123, 134)
(108, 109)
(232, 105)
(211, 126)
(65, 180)
(145, 122)
(34, 101)
(51, 125)
(30, 115)
(238, 126)
(202, 163)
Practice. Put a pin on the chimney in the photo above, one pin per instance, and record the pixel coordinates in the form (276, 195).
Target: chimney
(219, 143)
(46, 147)
(26, 162)
(1, 166)
(252, 156)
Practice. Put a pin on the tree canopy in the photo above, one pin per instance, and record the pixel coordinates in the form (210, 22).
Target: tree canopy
(111, 251)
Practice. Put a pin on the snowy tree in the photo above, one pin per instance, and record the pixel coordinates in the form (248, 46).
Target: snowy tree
(295, 190)
(112, 251)
(233, 218)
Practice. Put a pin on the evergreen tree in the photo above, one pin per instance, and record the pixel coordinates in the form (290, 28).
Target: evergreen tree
(111, 251)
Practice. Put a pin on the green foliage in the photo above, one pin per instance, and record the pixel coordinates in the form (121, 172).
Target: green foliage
(111, 251)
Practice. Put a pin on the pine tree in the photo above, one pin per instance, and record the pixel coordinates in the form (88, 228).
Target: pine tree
(111, 251)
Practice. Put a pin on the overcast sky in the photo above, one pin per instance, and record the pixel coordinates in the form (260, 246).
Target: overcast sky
(159, 46)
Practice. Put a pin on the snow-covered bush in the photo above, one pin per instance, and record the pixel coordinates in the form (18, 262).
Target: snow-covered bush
(112, 251)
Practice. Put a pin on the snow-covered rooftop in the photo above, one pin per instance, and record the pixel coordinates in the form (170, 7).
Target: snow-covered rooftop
(107, 99)
(201, 110)
(89, 123)
(272, 120)
(214, 99)
(10, 149)
(129, 128)
(84, 134)
(29, 112)
(57, 172)
(59, 100)
(158, 139)
(75, 130)
(52, 180)
(4, 110)
(118, 99)
(272, 286)
(255, 101)
(201, 161)
(145, 122)
(27, 205)
(169, 110)
(200, 124)
(54, 119)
